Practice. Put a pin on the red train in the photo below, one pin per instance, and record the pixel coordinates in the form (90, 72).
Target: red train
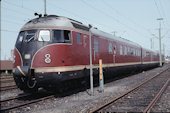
(51, 51)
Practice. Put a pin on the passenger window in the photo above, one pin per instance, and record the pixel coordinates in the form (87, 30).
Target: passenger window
(78, 38)
(95, 45)
(125, 50)
(121, 50)
(110, 47)
(134, 52)
(129, 51)
(44, 35)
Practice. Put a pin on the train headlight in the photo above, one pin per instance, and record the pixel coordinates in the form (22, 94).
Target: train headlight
(27, 56)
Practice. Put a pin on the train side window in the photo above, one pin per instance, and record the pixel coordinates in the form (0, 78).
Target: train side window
(121, 50)
(44, 35)
(139, 52)
(134, 52)
(78, 38)
(95, 45)
(110, 48)
(129, 51)
(125, 48)
(58, 36)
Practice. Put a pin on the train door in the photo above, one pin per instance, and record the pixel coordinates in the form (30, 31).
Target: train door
(114, 52)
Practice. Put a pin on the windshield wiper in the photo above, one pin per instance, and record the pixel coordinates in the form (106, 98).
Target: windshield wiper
(42, 38)
(30, 38)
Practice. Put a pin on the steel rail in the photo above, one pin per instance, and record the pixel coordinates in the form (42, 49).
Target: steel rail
(7, 81)
(25, 103)
(16, 97)
(9, 77)
(119, 97)
(151, 104)
(8, 88)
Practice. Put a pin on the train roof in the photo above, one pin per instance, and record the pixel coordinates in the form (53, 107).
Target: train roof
(107, 35)
(60, 21)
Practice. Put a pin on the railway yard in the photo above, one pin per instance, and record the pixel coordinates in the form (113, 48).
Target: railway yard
(143, 92)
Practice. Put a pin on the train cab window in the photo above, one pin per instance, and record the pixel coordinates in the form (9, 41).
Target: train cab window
(95, 45)
(21, 36)
(121, 50)
(44, 35)
(67, 36)
(78, 38)
(62, 36)
(58, 36)
(110, 48)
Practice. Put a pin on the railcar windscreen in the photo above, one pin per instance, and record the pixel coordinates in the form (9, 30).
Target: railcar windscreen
(44, 35)
(20, 36)
(30, 34)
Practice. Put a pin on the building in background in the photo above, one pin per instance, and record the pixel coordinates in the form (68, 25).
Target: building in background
(6, 66)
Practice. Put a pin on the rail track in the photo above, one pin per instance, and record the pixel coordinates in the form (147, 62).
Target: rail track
(23, 100)
(5, 88)
(7, 83)
(147, 108)
(6, 76)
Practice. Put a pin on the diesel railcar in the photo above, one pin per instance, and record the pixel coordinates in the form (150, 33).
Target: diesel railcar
(53, 50)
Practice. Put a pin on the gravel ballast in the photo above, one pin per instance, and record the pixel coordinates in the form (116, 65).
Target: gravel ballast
(83, 102)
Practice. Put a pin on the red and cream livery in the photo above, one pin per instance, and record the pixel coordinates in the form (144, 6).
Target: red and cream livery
(52, 50)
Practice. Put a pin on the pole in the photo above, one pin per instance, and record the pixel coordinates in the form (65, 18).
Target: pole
(91, 68)
(151, 43)
(45, 13)
(114, 33)
(151, 49)
(164, 50)
(0, 28)
(160, 49)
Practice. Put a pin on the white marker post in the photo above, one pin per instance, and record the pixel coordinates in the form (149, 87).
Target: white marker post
(101, 79)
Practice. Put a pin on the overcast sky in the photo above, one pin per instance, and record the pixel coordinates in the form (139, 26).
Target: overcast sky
(135, 20)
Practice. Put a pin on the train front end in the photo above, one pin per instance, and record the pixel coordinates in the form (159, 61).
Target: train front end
(41, 45)
(25, 48)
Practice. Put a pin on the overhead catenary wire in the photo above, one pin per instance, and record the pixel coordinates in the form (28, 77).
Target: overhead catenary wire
(159, 12)
(9, 30)
(80, 16)
(16, 11)
(163, 13)
(16, 5)
(124, 16)
(108, 15)
(8, 21)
